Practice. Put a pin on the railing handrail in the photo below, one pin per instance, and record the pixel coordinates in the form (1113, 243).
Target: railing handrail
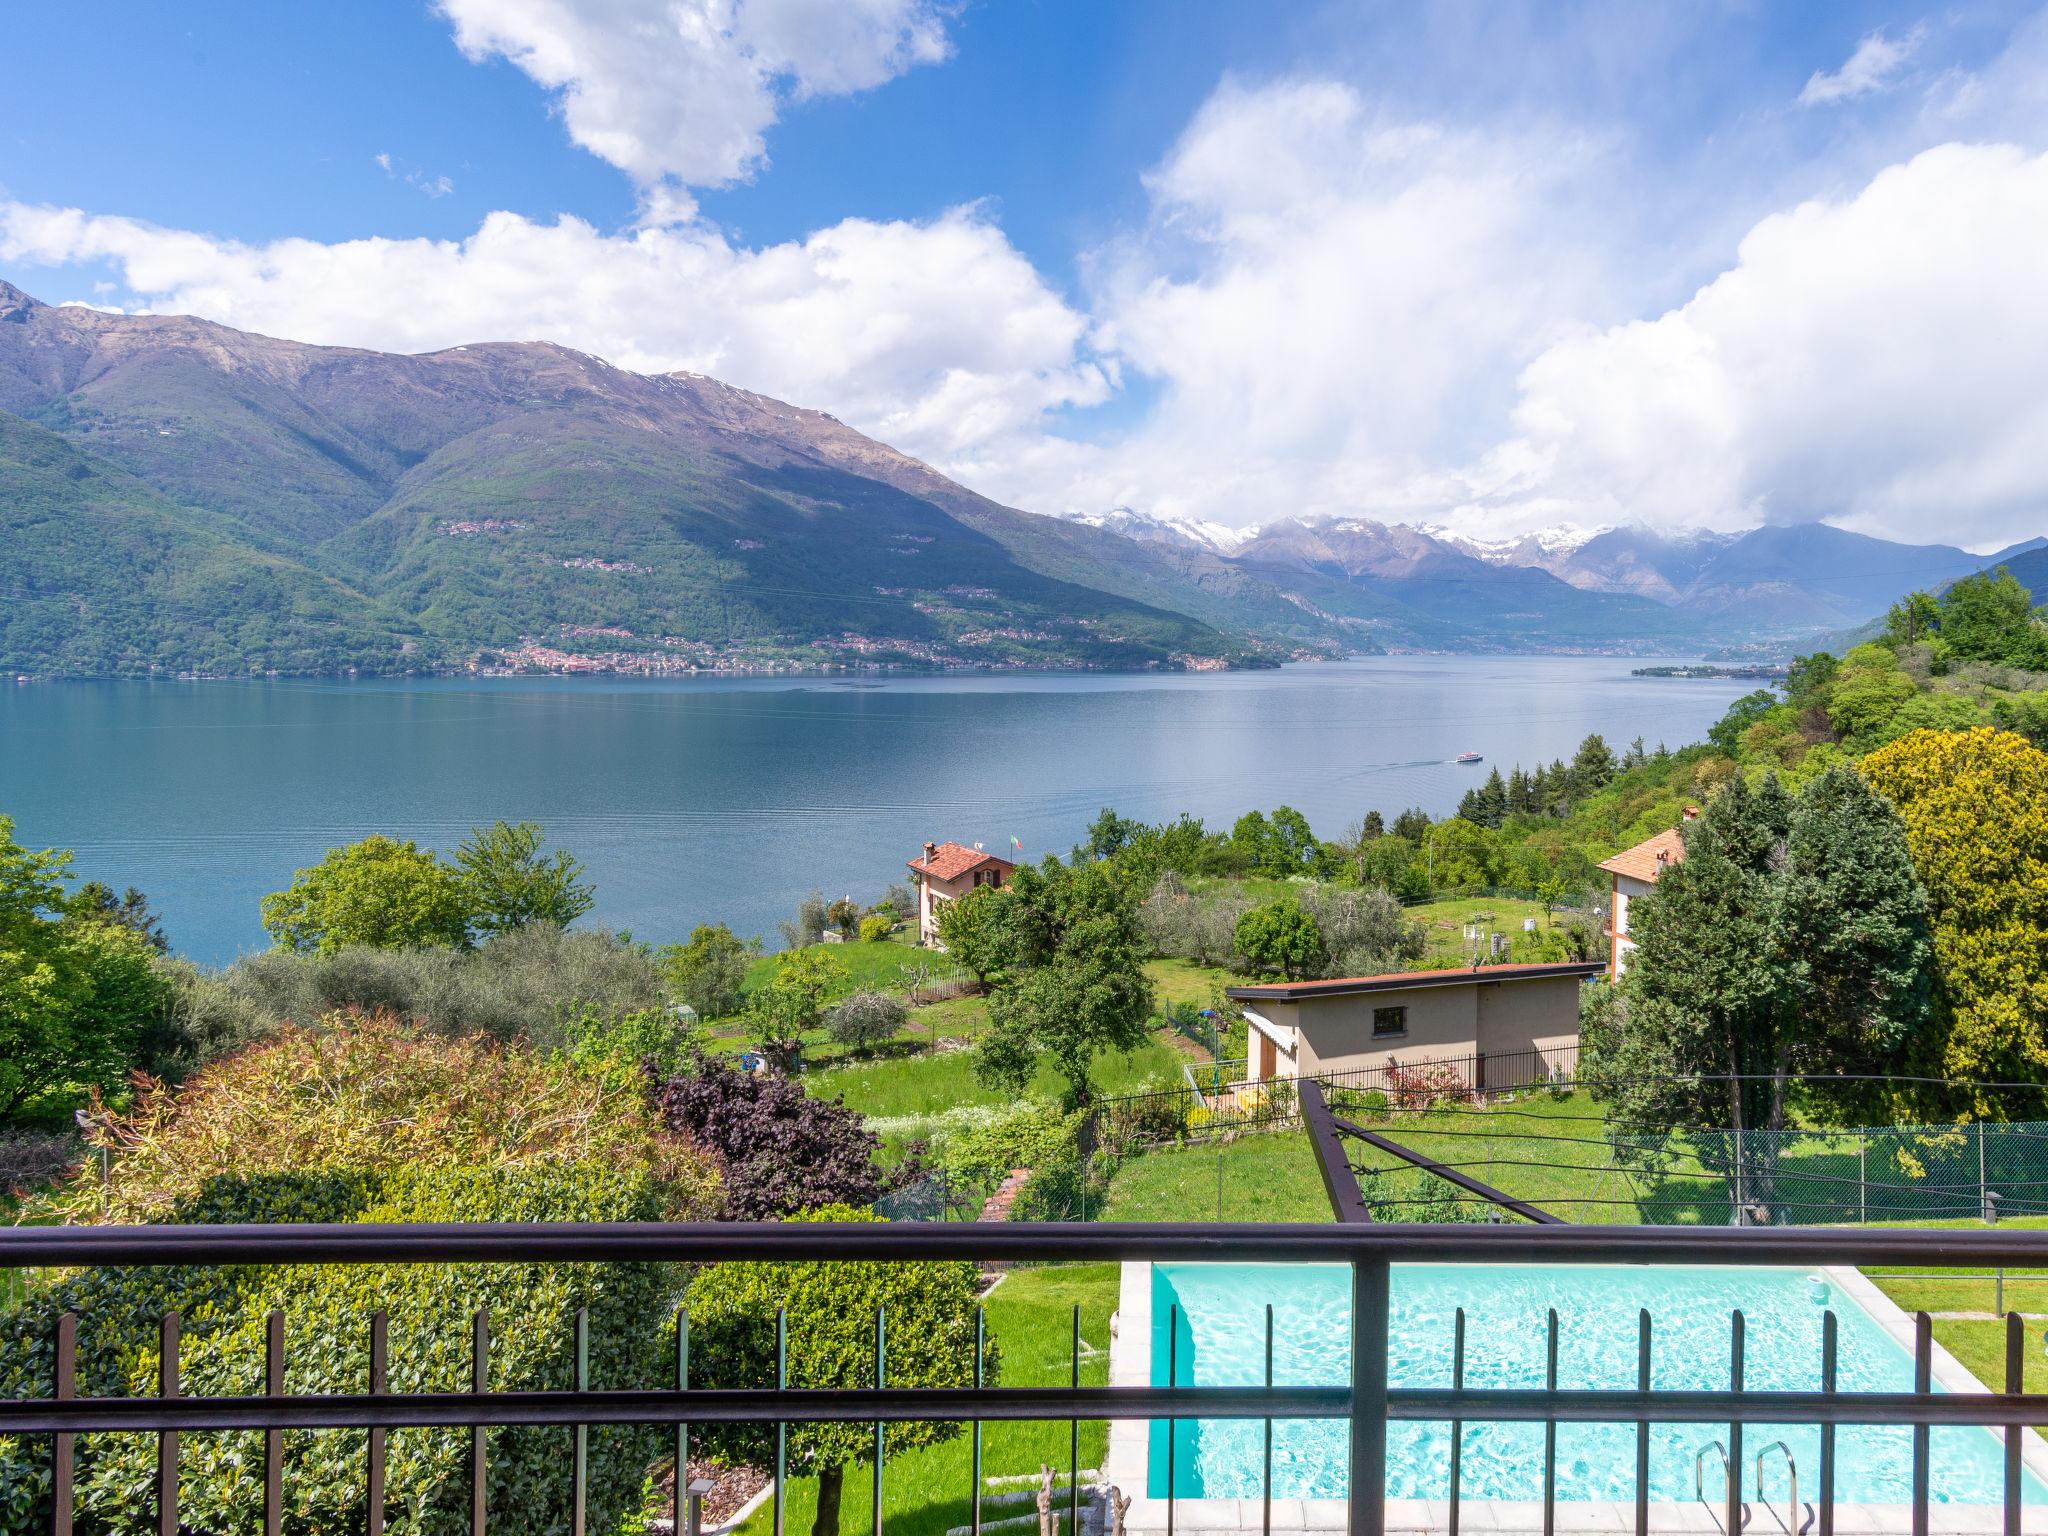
(711, 1242)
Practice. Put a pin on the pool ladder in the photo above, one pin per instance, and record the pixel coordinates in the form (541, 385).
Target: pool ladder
(1716, 1448)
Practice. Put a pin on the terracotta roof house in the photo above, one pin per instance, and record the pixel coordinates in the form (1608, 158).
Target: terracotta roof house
(1523, 1019)
(946, 872)
(1635, 871)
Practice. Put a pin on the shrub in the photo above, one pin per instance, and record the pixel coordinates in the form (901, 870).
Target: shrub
(528, 984)
(327, 1313)
(1426, 1083)
(830, 1308)
(877, 926)
(1059, 1189)
(709, 972)
(371, 1093)
(866, 1019)
(1027, 1136)
(844, 914)
(778, 1150)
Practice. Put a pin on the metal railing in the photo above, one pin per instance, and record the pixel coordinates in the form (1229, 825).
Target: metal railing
(1366, 1400)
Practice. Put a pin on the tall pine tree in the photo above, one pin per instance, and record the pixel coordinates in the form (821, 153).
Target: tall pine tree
(1790, 946)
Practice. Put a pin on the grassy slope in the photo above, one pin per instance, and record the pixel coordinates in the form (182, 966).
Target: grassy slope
(1030, 1316)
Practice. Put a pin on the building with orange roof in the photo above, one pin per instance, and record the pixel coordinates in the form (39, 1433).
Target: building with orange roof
(1634, 873)
(946, 872)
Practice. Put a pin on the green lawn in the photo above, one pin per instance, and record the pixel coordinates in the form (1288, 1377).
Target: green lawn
(1270, 1176)
(930, 1083)
(1443, 923)
(926, 1492)
(883, 965)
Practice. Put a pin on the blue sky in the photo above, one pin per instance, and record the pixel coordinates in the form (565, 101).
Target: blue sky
(1493, 265)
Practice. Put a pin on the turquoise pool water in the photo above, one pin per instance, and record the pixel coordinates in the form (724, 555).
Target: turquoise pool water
(1221, 1325)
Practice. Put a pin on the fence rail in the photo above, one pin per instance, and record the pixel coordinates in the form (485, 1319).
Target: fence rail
(1366, 1400)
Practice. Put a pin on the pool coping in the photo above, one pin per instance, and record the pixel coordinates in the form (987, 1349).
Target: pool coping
(1125, 1466)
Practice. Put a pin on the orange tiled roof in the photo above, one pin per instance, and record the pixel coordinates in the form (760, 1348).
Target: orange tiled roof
(1642, 861)
(950, 861)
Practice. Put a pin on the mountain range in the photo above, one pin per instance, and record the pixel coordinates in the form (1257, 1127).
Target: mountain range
(180, 496)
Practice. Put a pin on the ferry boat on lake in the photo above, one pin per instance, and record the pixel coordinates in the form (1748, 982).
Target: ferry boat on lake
(1469, 757)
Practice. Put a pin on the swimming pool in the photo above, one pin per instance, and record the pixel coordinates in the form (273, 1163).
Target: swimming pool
(1221, 1342)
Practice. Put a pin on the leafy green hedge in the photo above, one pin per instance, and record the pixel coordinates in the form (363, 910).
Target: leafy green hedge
(327, 1313)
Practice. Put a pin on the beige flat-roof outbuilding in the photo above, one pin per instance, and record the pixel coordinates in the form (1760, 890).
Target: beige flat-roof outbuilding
(1527, 1013)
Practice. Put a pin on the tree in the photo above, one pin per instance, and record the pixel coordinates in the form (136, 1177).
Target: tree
(1868, 690)
(1726, 733)
(798, 987)
(778, 1149)
(97, 903)
(1592, 767)
(1912, 619)
(708, 972)
(844, 914)
(1791, 941)
(1279, 936)
(378, 892)
(1989, 616)
(75, 993)
(1975, 807)
(1109, 835)
(1072, 983)
(1413, 824)
(1486, 806)
(970, 928)
(509, 883)
(866, 1019)
(829, 1310)
(877, 926)
(808, 926)
(1374, 826)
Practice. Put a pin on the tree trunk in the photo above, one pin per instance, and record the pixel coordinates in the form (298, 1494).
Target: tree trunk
(826, 1522)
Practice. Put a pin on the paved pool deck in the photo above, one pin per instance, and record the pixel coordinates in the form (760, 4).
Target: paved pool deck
(1130, 1365)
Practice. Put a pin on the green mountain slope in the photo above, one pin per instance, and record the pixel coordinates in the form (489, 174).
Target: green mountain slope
(525, 505)
(102, 576)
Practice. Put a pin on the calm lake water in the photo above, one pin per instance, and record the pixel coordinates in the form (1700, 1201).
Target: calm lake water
(727, 799)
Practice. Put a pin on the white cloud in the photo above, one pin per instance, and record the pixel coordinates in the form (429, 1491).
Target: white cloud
(680, 93)
(1326, 301)
(937, 337)
(1874, 360)
(1875, 64)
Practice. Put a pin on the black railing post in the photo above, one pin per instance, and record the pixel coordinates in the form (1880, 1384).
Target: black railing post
(682, 1429)
(62, 1454)
(781, 1425)
(479, 1467)
(2015, 1356)
(1074, 1437)
(1457, 1425)
(167, 1439)
(1643, 1425)
(273, 1439)
(1733, 1507)
(974, 1430)
(1550, 1426)
(881, 1373)
(1829, 1363)
(1370, 1301)
(579, 1436)
(380, 1382)
(1923, 1383)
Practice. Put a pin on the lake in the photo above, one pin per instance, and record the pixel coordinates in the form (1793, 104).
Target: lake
(727, 799)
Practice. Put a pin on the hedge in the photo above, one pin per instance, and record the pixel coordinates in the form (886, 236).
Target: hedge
(327, 1311)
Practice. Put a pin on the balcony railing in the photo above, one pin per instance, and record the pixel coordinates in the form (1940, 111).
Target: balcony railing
(1367, 1401)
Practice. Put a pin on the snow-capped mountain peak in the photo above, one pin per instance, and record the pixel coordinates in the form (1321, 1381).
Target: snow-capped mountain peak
(1144, 527)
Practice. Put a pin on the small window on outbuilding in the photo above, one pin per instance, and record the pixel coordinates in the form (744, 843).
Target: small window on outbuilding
(1389, 1021)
